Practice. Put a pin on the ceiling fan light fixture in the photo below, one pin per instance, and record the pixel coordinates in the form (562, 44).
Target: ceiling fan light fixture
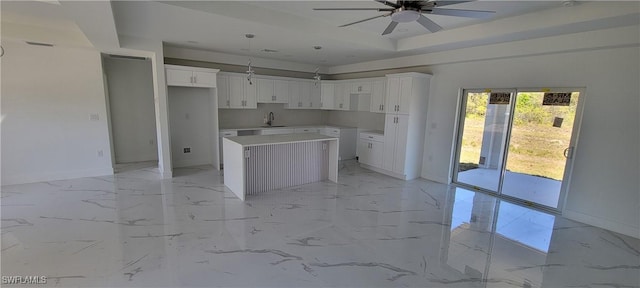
(405, 16)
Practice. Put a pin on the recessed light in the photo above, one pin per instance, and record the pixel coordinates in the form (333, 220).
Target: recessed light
(402, 30)
(192, 42)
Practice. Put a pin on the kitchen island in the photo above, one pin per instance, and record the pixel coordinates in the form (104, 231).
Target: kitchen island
(253, 164)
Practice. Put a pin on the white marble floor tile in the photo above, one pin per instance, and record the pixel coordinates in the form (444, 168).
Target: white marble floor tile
(135, 229)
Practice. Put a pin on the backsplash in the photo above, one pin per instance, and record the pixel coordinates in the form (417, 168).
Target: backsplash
(242, 118)
(360, 119)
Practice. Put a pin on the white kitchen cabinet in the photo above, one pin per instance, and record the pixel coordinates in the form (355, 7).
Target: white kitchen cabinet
(242, 95)
(342, 96)
(315, 96)
(396, 129)
(399, 94)
(223, 93)
(327, 95)
(303, 95)
(371, 149)
(272, 91)
(360, 87)
(378, 92)
(405, 120)
(190, 76)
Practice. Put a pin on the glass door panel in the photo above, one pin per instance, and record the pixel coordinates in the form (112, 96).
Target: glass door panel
(539, 146)
(484, 127)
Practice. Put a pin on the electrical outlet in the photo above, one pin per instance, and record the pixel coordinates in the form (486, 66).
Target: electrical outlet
(94, 117)
(186, 150)
(100, 153)
(150, 141)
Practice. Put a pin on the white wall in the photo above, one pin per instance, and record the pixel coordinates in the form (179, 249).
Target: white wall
(190, 125)
(604, 187)
(48, 95)
(242, 118)
(131, 108)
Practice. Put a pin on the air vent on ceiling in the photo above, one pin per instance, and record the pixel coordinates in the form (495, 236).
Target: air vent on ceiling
(39, 44)
(127, 57)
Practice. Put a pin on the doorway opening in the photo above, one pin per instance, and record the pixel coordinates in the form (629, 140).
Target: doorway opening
(131, 112)
(518, 143)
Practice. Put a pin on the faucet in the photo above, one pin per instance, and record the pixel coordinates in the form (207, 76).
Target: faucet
(270, 119)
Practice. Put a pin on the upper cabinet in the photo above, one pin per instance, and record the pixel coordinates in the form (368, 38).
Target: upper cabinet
(360, 87)
(399, 92)
(272, 90)
(378, 92)
(236, 92)
(303, 95)
(327, 95)
(190, 76)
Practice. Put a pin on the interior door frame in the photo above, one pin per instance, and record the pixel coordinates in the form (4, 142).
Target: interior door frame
(573, 144)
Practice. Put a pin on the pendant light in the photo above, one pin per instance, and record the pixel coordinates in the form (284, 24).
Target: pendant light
(317, 77)
(250, 71)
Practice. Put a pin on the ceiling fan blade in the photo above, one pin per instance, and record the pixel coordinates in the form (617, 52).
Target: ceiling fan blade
(447, 3)
(354, 9)
(428, 24)
(390, 28)
(390, 4)
(363, 20)
(462, 13)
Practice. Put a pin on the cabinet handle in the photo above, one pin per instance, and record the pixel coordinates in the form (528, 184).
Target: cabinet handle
(320, 104)
(228, 103)
(195, 79)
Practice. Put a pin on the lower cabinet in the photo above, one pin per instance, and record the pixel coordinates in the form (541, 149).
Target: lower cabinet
(371, 149)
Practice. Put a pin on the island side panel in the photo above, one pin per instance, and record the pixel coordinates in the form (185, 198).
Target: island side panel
(234, 168)
(333, 160)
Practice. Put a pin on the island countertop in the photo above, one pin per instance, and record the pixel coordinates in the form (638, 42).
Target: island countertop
(259, 140)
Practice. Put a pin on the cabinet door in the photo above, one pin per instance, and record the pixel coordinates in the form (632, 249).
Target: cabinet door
(179, 77)
(305, 94)
(204, 79)
(340, 99)
(360, 87)
(389, 141)
(400, 154)
(294, 95)
(327, 92)
(250, 95)
(364, 151)
(223, 92)
(316, 97)
(265, 90)
(376, 153)
(236, 91)
(393, 88)
(404, 96)
(377, 97)
(281, 91)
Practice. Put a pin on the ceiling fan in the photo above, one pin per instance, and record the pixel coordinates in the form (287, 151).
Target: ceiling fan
(409, 11)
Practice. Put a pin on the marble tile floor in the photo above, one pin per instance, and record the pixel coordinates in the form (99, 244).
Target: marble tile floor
(369, 230)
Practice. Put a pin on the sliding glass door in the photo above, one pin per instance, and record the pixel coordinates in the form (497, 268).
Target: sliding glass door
(518, 143)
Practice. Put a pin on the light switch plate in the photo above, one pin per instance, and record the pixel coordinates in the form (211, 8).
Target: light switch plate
(94, 117)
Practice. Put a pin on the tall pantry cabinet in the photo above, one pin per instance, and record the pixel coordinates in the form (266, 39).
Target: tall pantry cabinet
(405, 120)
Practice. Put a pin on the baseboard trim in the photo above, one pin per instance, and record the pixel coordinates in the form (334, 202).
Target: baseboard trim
(72, 174)
(383, 171)
(603, 223)
(443, 180)
(190, 163)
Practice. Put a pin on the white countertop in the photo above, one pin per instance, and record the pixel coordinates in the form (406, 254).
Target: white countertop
(258, 140)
